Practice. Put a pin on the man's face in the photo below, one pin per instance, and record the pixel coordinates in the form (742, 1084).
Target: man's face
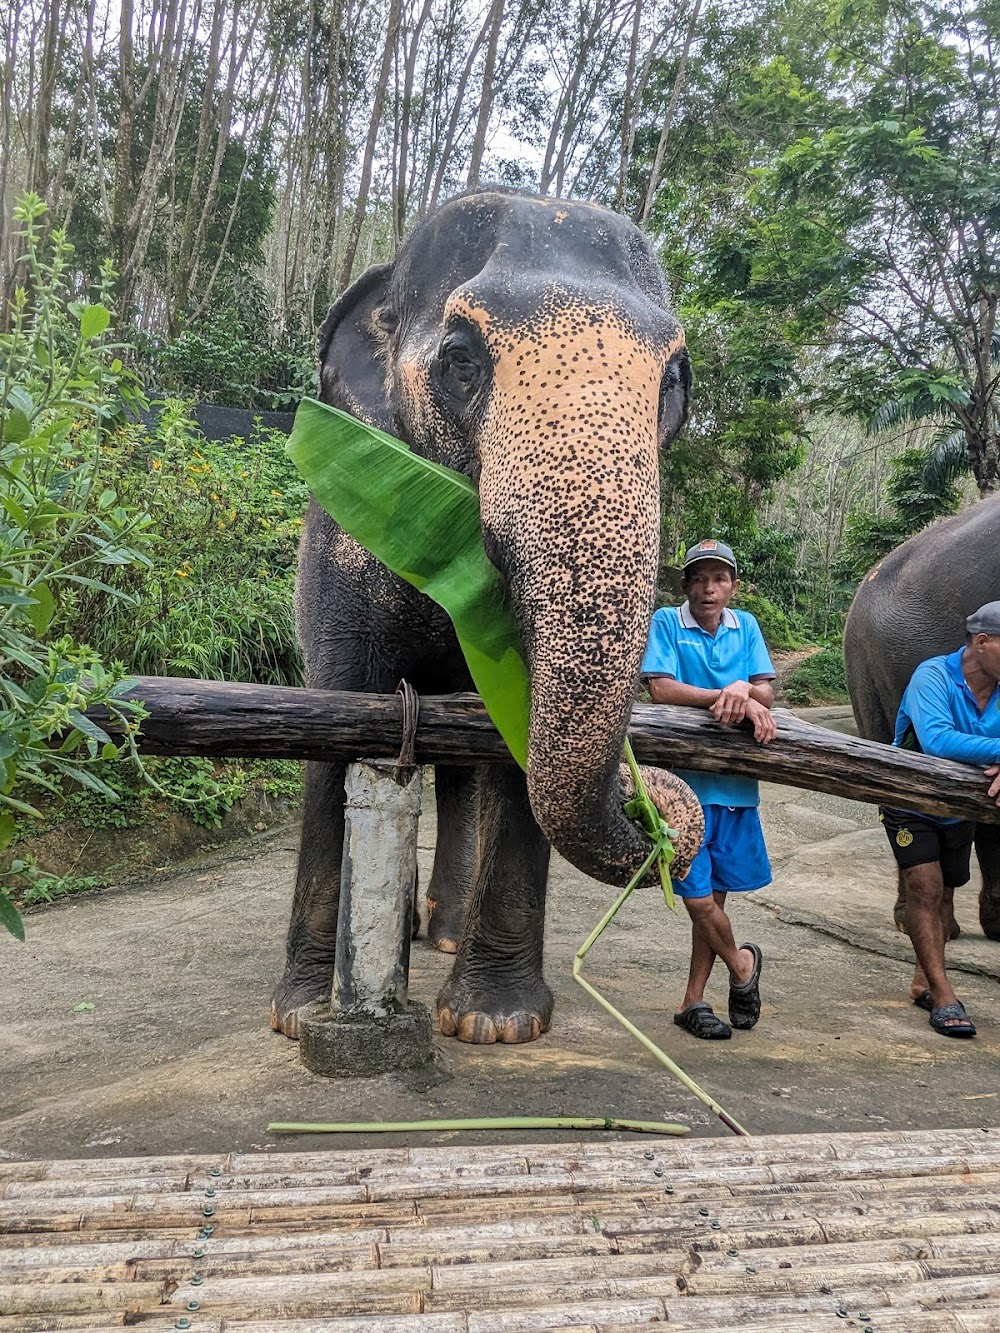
(988, 653)
(710, 585)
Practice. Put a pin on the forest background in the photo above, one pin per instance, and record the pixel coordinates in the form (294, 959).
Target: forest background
(819, 178)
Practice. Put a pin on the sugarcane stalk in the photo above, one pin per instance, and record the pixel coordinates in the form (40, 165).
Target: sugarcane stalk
(658, 853)
(503, 1122)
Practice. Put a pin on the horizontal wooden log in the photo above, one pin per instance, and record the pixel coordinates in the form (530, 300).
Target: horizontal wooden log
(270, 721)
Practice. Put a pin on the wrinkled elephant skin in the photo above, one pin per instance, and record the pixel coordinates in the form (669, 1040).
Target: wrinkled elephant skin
(528, 343)
(912, 605)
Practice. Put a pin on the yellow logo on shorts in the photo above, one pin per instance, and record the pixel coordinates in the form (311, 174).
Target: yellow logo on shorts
(904, 837)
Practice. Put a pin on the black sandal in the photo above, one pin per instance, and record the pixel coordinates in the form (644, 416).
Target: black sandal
(744, 996)
(951, 1020)
(701, 1021)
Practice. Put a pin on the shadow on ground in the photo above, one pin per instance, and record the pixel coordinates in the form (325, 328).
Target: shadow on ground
(136, 1020)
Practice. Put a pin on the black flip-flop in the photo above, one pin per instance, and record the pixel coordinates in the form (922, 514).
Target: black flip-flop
(943, 1020)
(925, 1000)
(744, 996)
(701, 1021)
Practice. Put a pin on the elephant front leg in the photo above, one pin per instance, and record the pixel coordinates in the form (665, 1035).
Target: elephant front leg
(312, 931)
(988, 854)
(454, 855)
(496, 991)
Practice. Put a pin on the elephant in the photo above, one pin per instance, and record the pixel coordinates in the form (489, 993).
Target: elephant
(912, 605)
(527, 342)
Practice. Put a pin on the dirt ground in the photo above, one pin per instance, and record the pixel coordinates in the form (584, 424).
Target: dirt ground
(135, 1020)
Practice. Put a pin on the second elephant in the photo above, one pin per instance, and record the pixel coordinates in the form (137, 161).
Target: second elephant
(911, 606)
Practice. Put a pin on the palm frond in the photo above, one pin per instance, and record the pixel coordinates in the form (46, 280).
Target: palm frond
(947, 457)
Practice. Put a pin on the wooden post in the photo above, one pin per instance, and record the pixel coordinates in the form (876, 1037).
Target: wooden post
(369, 1026)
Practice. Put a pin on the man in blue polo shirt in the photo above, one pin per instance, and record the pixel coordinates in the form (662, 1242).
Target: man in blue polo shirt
(951, 709)
(706, 655)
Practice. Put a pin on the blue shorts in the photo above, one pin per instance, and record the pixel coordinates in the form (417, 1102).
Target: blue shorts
(732, 859)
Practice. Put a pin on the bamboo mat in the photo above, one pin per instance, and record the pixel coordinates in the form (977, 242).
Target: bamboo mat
(897, 1233)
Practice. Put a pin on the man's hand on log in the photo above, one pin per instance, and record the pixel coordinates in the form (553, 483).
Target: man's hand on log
(764, 726)
(731, 705)
(994, 772)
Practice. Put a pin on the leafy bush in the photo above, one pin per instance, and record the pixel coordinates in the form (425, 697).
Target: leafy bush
(232, 356)
(215, 598)
(775, 626)
(820, 679)
(63, 531)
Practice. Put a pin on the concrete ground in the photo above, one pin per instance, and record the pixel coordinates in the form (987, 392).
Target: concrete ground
(136, 1019)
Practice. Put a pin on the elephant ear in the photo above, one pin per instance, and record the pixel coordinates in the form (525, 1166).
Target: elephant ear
(351, 350)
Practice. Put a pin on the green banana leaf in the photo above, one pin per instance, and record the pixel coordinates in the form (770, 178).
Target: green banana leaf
(422, 521)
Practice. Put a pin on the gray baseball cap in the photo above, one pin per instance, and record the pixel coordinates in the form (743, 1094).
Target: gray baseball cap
(710, 550)
(986, 620)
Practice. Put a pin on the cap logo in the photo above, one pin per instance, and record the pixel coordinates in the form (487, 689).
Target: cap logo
(707, 546)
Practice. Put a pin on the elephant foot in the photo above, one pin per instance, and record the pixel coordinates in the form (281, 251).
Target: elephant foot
(291, 993)
(485, 1012)
(444, 928)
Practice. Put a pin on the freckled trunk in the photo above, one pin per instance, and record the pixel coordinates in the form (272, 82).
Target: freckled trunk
(569, 497)
(586, 636)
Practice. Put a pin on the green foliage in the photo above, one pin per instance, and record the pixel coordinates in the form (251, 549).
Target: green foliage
(775, 626)
(195, 782)
(234, 355)
(913, 502)
(63, 530)
(820, 679)
(215, 597)
(40, 886)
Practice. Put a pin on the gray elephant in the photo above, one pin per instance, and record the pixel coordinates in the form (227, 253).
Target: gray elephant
(912, 606)
(526, 342)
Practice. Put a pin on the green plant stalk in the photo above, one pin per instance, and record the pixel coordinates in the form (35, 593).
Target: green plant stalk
(502, 1122)
(643, 811)
(629, 1027)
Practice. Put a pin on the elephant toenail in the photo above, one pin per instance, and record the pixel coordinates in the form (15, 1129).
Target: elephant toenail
(446, 1023)
(478, 1028)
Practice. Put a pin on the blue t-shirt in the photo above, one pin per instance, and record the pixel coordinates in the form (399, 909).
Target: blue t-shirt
(939, 712)
(679, 647)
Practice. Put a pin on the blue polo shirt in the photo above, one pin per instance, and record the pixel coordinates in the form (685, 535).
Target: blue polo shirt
(679, 647)
(939, 716)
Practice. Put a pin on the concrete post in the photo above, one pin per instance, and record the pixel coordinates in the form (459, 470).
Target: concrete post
(369, 1026)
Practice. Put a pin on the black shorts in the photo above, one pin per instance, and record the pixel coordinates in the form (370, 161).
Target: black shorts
(917, 840)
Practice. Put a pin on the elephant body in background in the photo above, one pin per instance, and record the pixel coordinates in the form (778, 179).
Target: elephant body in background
(528, 343)
(911, 606)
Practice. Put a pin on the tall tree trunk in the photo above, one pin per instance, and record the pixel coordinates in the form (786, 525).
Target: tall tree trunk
(367, 163)
(123, 188)
(402, 166)
(487, 94)
(628, 110)
(652, 185)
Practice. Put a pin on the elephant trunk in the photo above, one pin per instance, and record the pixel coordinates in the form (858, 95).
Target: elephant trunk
(584, 652)
(570, 502)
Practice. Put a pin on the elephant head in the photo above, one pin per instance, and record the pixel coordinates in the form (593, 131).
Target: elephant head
(528, 342)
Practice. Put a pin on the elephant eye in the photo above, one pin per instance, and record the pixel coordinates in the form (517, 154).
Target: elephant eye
(674, 392)
(459, 370)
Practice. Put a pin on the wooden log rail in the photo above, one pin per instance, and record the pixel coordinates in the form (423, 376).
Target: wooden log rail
(210, 717)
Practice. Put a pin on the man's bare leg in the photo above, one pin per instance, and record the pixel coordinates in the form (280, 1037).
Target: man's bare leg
(920, 982)
(711, 938)
(924, 918)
